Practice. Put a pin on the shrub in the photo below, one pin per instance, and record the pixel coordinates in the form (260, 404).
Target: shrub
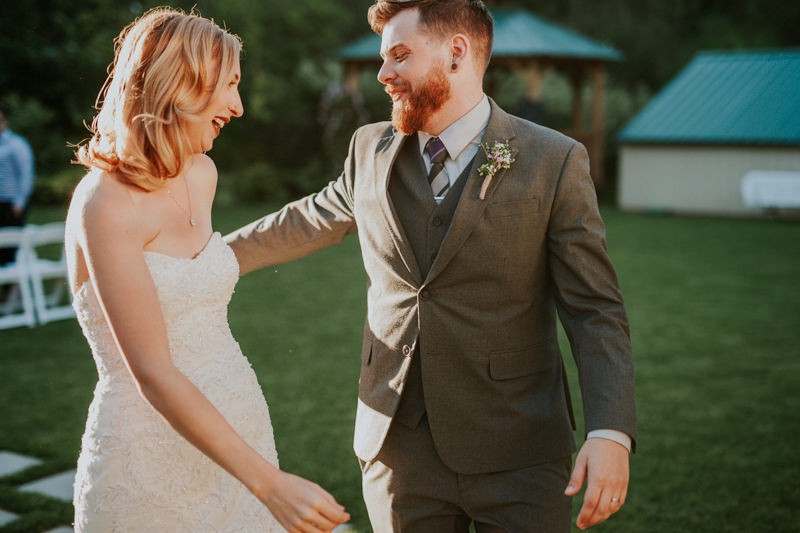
(56, 189)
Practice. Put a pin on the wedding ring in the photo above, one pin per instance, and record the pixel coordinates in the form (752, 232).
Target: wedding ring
(614, 499)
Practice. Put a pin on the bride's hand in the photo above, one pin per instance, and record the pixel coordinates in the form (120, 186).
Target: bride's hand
(301, 506)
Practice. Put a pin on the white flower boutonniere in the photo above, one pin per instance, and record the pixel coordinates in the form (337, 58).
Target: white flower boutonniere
(499, 156)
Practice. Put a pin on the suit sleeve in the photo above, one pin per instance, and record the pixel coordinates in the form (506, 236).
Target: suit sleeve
(302, 227)
(589, 300)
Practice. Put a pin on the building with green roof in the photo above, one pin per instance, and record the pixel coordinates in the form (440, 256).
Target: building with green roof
(723, 137)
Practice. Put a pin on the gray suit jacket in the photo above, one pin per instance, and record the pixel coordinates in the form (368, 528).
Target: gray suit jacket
(484, 317)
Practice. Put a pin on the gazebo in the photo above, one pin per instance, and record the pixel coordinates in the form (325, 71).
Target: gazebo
(528, 46)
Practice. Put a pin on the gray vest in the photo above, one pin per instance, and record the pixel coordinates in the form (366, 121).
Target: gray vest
(425, 224)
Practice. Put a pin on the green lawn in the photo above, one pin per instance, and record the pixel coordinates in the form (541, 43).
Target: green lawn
(713, 306)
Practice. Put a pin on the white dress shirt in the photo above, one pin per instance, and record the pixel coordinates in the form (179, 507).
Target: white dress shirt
(462, 139)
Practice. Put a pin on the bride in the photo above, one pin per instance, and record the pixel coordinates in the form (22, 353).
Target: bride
(178, 435)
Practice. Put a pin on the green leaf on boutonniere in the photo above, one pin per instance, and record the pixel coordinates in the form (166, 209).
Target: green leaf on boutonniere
(498, 156)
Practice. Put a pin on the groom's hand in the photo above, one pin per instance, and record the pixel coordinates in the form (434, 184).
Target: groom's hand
(605, 464)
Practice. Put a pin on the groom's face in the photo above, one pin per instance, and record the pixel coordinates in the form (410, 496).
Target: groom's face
(413, 72)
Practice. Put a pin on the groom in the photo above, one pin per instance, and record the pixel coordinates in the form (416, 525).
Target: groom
(464, 414)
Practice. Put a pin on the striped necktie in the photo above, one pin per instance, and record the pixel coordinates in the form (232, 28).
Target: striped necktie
(436, 177)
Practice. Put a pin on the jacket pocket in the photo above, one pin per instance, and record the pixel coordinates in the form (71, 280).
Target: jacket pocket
(366, 349)
(510, 364)
(512, 208)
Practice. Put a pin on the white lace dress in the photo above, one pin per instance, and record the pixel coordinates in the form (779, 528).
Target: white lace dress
(136, 473)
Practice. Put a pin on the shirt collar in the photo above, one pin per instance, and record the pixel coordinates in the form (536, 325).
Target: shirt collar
(461, 133)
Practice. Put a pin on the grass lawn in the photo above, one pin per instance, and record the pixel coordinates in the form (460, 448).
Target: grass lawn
(713, 306)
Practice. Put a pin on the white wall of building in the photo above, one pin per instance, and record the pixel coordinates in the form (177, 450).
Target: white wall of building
(695, 179)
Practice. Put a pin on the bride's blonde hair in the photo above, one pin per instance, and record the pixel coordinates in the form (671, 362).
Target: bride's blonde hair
(166, 68)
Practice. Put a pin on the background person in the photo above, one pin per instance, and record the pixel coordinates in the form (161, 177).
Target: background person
(16, 181)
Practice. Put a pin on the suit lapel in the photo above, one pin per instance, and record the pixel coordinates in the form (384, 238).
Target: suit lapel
(470, 206)
(386, 153)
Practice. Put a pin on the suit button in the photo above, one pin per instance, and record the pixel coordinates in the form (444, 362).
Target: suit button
(407, 350)
(437, 221)
(425, 294)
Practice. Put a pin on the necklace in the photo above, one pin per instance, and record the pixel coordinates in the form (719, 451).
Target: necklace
(192, 221)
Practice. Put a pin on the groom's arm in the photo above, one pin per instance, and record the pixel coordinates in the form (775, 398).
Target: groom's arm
(302, 227)
(299, 229)
(592, 312)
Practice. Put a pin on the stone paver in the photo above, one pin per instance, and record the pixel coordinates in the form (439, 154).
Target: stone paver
(58, 486)
(6, 517)
(11, 463)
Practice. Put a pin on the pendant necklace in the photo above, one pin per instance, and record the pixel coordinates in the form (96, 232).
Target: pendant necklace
(192, 221)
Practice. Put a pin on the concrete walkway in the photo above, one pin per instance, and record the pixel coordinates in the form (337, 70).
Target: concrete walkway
(58, 486)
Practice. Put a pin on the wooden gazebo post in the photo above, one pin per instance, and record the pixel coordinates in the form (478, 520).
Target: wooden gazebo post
(352, 71)
(576, 79)
(532, 71)
(597, 153)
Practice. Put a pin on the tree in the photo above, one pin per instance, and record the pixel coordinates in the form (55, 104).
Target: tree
(54, 57)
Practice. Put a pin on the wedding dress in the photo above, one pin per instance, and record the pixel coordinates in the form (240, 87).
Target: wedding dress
(136, 473)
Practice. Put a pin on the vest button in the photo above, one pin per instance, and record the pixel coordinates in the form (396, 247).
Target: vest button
(425, 294)
(407, 350)
(437, 221)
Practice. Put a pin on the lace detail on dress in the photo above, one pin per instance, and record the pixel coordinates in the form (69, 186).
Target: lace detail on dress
(135, 473)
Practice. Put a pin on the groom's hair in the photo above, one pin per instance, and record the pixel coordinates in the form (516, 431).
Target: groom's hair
(442, 18)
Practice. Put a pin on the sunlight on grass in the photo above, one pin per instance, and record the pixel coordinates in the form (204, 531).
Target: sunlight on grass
(713, 311)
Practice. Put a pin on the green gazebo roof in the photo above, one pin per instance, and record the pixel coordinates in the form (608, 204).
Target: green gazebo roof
(517, 33)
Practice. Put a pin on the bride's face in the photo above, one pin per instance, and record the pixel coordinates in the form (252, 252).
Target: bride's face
(224, 104)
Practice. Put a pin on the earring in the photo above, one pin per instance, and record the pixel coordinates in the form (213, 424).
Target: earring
(454, 67)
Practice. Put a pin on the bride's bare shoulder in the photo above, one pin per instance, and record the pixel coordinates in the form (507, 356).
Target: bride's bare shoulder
(203, 164)
(100, 198)
(200, 167)
(97, 184)
(202, 173)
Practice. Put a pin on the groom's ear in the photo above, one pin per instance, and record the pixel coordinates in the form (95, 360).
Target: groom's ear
(460, 47)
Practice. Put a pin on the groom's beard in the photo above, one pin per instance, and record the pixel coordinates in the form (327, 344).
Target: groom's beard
(422, 102)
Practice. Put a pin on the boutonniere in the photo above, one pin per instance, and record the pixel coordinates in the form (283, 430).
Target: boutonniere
(498, 156)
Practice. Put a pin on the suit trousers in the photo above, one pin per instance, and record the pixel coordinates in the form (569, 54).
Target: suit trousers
(407, 488)
(9, 219)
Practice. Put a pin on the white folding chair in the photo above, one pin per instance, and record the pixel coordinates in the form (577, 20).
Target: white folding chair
(47, 269)
(16, 303)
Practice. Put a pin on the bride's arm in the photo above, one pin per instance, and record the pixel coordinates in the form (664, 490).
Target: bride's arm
(111, 240)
